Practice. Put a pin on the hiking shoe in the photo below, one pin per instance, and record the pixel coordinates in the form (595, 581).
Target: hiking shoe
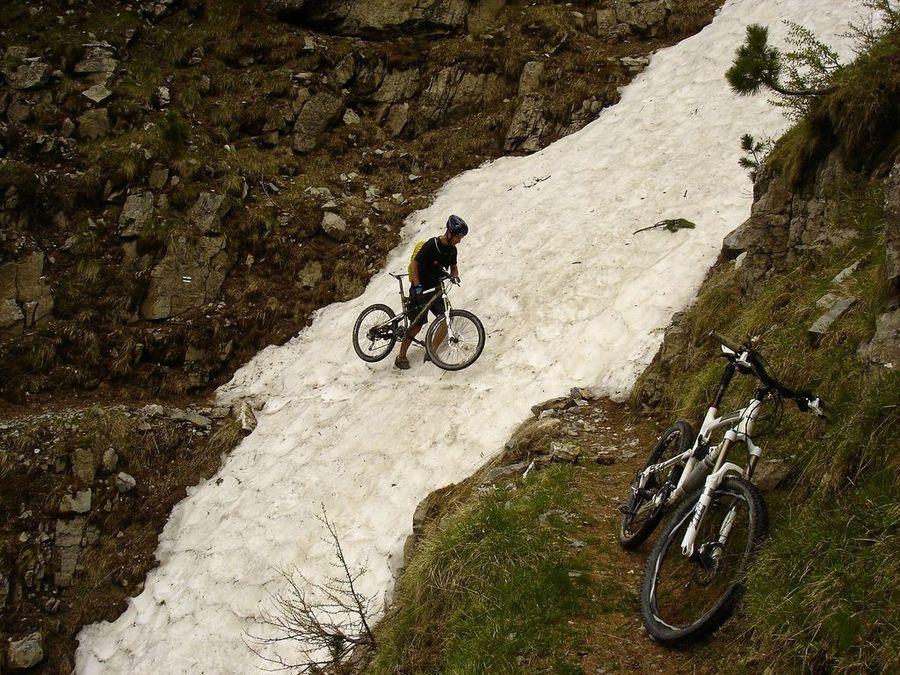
(401, 362)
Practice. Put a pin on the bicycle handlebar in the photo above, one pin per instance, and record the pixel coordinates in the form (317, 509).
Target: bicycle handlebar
(805, 400)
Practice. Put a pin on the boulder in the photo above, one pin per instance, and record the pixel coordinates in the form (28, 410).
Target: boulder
(398, 85)
(455, 90)
(884, 348)
(527, 126)
(93, 124)
(159, 176)
(68, 544)
(207, 212)
(397, 119)
(318, 113)
(84, 468)
(80, 503)
(823, 323)
(97, 59)
(335, 226)
(28, 74)
(32, 293)
(97, 93)
(189, 276)
(25, 653)
(245, 417)
(10, 313)
(125, 482)
(530, 78)
(136, 214)
(642, 16)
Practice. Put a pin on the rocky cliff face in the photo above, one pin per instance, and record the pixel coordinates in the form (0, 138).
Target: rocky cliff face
(793, 227)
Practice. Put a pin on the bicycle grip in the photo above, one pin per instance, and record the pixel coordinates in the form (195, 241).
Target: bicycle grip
(725, 341)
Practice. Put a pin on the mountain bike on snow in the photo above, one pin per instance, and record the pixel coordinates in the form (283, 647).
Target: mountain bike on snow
(378, 328)
(695, 573)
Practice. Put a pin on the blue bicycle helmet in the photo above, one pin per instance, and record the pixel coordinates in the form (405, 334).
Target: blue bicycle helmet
(457, 225)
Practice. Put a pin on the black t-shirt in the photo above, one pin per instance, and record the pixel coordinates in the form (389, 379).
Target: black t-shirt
(434, 258)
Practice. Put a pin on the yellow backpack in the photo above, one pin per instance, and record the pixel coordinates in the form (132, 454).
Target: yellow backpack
(415, 252)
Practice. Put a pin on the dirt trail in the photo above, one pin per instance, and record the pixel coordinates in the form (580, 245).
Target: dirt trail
(616, 642)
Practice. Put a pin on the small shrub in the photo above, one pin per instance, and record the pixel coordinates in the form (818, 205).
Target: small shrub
(174, 130)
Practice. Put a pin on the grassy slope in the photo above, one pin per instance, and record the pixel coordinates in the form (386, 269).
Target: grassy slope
(823, 595)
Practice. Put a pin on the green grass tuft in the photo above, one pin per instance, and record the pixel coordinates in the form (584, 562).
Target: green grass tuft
(492, 589)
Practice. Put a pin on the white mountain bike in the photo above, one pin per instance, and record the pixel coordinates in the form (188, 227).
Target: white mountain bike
(695, 574)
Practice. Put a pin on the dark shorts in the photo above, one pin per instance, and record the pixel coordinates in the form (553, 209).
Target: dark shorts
(437, 308)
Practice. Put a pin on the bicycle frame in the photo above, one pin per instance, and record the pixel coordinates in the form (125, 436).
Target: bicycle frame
(404, 317)
(701, 461)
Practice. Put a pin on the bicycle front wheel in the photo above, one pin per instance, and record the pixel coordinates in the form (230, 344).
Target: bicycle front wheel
(639, 515)
(374, 334)
(461, 346)
(684, 599)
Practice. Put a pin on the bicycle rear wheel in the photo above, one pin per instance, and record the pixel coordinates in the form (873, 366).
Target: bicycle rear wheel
(684, 599)
(639, 516)
(374, 335)
(463, 344)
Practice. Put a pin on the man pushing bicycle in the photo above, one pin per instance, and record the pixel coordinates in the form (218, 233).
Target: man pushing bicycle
(426, 268)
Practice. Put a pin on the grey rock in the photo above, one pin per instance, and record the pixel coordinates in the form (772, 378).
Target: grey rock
(824, 322)
(25, 653)
(68, 543)
(397, 119)
(634, 64)
(554, 404)
(189, 276)
(642, 16)
(500, 472)
(245, 417)
(207, 212)
(564, 452)
(884, 348)
(335, 226)
(527, 127)
(137, 213)
(398, 85)
(318, 113)
(770, 474)
(350, 117)
(153, 410)
(97, 93)
(110, 460)
(93, 124)
(159, 176)
(846, 273)
(97, 59)
(83, 466)
(194, 418)
(80, 503)
(29, 74)
(310, 274)
(125, 482)
(530, 78)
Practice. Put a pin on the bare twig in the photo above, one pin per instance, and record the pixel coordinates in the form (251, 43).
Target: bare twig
(326, 621)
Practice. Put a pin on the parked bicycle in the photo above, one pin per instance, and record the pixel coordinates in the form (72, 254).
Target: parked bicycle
(695, 574)
(378, 328)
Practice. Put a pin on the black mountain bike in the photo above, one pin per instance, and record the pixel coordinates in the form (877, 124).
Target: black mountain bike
(378, 328)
